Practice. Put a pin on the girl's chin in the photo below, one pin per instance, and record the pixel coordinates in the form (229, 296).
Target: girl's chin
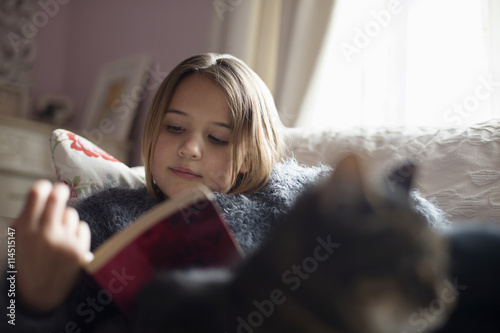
(176, 189)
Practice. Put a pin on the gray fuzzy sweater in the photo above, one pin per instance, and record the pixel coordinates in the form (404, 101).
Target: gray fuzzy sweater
(252, 218)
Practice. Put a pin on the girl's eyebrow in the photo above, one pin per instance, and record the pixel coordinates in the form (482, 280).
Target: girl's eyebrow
(182, 113)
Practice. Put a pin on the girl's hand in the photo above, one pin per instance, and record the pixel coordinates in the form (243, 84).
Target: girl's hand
(51, 246)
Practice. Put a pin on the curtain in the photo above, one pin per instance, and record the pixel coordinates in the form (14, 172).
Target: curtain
(279, 40)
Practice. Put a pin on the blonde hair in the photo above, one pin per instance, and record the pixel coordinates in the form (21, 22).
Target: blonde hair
(255, 123)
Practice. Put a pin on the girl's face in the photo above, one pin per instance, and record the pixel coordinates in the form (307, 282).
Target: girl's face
(193, 142)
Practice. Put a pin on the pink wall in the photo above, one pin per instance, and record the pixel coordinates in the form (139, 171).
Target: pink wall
(51, 63)
(84, 35)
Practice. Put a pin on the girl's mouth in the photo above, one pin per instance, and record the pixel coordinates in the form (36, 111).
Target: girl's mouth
(184, 173)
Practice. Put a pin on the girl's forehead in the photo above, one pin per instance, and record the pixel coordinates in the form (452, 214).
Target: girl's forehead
(197, 97)
(197, 85)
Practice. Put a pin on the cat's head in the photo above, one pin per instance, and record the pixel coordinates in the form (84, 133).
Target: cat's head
(365, 254)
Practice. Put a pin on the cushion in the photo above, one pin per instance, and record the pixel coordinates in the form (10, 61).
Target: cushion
(458, 168)
(86, 168)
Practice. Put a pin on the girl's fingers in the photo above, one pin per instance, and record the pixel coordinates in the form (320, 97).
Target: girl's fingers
(83, 237)
(53, 213)
(83, 233)
(34, 205)
(71, 219)
(77, 231)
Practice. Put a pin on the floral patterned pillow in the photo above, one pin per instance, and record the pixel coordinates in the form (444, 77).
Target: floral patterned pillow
(85, 167)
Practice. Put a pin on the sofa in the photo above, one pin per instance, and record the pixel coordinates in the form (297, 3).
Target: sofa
(458, 168)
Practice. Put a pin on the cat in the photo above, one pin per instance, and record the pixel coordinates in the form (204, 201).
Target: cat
(347, 258)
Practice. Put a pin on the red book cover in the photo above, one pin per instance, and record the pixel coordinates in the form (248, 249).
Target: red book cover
(186, 231)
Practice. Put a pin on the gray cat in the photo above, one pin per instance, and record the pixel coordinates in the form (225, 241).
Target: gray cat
(346, 259)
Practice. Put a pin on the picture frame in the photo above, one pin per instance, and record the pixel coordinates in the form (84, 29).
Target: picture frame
(116, 94)
(14, 100)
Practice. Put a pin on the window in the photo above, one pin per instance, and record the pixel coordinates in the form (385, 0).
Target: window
(417, 63)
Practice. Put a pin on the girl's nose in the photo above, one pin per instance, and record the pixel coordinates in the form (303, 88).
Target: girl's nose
(190, 148)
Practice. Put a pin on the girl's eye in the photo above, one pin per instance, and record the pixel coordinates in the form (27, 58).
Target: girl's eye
(174, 129)
(218, 141)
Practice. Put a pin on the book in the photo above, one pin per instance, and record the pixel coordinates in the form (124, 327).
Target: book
(186, 231)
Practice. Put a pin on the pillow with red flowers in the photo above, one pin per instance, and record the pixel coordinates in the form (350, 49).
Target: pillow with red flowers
(85, 167)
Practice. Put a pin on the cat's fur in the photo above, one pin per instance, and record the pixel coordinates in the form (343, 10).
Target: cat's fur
(346, 259)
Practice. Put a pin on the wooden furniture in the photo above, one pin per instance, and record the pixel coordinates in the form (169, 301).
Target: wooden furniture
(25, 157)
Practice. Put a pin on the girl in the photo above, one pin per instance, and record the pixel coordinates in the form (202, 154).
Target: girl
(212, 121)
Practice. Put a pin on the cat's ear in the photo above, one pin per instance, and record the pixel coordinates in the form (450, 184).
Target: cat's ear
(400, 179)
(345, 186)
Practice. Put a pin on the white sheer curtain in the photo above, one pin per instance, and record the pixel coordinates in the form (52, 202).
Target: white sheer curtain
(424, 62)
